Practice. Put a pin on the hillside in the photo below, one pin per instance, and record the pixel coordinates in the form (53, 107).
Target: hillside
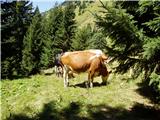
(43, 97)
(87, 17)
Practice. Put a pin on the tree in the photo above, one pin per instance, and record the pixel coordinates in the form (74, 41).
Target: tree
(51, 25)
(16, 17)
(32, 45)
(82, 38)
(127, 38)
(59, 30)
(59, 38)
(98, 41)
(69, 25)
(134, 34)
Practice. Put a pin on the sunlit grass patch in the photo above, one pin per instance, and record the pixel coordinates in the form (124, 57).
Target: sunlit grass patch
(44, 97)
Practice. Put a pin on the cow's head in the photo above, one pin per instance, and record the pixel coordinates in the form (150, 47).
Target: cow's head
(105, 76)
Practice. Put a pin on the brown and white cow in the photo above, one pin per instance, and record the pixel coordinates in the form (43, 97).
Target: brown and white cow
(91, 61)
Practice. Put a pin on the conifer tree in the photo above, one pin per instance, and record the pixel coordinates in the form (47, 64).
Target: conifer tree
(59, 38)
(50, 44)
(16, 17)
(135, 38)
(82, 38)
(59, 30)
(97, 41)
(69, 25)
(32, 45)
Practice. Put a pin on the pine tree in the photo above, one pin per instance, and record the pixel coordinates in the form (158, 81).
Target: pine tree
(134, 33)
(58, 32)
(16, 17)
(82, 38)
(126, 38)
(58, 40)
(69, 25)
(50, 44)
(32, 45)
(98, 41)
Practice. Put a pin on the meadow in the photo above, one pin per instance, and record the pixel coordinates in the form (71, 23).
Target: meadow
(43, 97)
(127, 31)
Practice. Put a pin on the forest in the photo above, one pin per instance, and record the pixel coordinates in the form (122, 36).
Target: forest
(127, 31)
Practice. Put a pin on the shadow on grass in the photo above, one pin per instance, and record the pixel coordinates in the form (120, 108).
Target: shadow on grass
(146, 91)
(17, 77)
(137, 112)
(83, 85)
(99, 112)
(50, 112)
(48, 74)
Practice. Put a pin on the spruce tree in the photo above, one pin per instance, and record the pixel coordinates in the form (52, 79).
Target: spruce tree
(50, 44)
(69, 25)
(126, 38)
(97, 41)
(135, 36)
(32, 45)
(59, 30)
(59, 38)
(66, 26)
(16, 17)
(82, 38)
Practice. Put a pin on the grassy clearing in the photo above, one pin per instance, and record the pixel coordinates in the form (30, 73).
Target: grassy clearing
(43, 97)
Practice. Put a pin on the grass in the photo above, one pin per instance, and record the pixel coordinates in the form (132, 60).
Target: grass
(87, 17)
(43, 97)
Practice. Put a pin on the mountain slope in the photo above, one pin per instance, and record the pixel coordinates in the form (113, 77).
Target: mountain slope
(87, 17)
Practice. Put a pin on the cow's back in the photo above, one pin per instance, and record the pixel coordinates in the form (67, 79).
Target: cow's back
(98, 52)
(77, 61)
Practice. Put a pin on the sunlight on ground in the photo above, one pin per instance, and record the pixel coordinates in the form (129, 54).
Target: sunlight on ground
(44, 94)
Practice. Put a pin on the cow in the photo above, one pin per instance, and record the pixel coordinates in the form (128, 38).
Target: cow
(91, 61)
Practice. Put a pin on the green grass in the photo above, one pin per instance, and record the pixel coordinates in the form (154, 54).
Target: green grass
(87, 17)
(43, 97)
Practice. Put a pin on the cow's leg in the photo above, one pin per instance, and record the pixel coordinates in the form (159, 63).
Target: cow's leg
(91, 82)
(58, 71)
(87, 82)
(62, 73)
(55, 69)
(104, 80)
(65, 75)
(90, 79)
